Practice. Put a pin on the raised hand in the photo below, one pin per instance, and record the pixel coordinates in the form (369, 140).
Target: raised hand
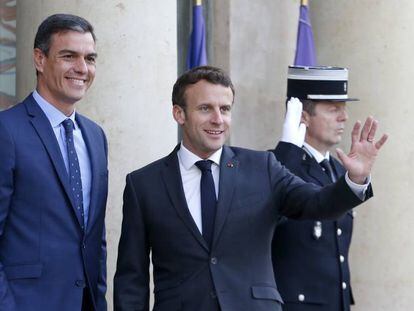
(293, 130)
(364, 150)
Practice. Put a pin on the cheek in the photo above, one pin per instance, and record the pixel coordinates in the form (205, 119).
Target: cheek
(227, 121)
(92, 70)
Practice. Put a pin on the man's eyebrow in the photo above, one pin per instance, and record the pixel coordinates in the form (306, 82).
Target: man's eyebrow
(67, 51)
(74, 52)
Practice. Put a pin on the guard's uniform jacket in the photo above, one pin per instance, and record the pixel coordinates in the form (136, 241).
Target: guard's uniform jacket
(310, 258)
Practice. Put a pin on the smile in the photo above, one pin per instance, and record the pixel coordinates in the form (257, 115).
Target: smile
(213, 132)
(77, 81)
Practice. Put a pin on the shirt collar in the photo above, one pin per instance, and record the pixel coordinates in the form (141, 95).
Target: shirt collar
(319, 157)
(188, 159)
(55, 116)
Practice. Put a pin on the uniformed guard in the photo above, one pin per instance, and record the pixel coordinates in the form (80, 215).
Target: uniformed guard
(311, 257)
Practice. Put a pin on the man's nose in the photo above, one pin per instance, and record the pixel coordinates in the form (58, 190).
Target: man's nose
(217, 117)
(343, 116)
(81, 65)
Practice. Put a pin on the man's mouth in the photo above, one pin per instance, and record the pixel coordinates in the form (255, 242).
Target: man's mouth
(213, 132)
(77, 81)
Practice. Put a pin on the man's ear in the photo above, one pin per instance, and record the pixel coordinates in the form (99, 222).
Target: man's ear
(305, 118)
(178, 114)
(39, 59)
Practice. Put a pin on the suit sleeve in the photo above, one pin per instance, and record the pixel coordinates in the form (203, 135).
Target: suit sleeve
(7, 164)
(101, 300)
(300, 200)
(131, 282)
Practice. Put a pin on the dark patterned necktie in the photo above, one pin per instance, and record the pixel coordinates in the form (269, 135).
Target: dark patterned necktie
(328, 169)
(208, 200)
(74, 169)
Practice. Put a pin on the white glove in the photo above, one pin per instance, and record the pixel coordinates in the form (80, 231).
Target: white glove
(293, 130)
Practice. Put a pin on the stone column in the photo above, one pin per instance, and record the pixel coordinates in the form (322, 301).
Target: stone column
(374, 40)
(255, 42)
(130, 98)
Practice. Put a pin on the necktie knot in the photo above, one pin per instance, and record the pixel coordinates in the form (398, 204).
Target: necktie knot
(68, 125)
(204, 165)
(328, 169)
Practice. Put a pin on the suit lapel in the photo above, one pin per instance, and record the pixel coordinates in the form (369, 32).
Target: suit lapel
(229, 167)
(43, 128)
(93, 149)
(315, 170)
(173, 182)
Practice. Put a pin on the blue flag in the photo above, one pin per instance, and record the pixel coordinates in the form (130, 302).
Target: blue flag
(305, 48)
(197, 54)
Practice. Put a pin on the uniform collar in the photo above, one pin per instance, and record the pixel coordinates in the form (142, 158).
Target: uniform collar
(319, 157)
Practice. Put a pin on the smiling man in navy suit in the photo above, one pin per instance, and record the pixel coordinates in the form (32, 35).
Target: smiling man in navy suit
(207, 211)
(53, 181)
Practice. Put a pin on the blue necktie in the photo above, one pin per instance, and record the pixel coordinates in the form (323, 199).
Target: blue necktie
(328, 169)
(74, 170)
(208, 200)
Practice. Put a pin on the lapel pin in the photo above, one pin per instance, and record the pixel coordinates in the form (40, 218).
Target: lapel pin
(304, 157)
(231, 165)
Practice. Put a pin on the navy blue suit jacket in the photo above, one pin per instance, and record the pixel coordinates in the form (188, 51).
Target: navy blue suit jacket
(310, 269)
(237, 272)
(46, 259)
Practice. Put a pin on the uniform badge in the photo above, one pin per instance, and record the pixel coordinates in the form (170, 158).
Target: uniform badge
(317, 230)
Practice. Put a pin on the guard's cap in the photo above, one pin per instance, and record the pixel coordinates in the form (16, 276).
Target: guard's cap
(319, 83)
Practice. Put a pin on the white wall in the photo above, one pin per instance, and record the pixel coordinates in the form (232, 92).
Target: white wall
(374, 39)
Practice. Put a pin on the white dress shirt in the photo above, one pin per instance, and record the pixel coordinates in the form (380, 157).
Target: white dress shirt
(56, 117)
(191, 177)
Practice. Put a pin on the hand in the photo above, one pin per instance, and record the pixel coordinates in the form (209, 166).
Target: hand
(293, 130)
(363, 151)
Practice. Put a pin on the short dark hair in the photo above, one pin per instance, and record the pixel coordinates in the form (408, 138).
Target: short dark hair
(211, 74)
(309, 106)
(60, 23)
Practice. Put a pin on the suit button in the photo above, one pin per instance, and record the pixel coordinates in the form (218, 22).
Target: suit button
(343, 285)
(80, 283)
(83, 245)
(213, 260)
(301, 297)
(339, 231)
(341, 258)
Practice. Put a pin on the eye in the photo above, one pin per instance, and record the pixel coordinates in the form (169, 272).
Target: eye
(225, 109)
(204, 108)
(68, 56)
(91, 59)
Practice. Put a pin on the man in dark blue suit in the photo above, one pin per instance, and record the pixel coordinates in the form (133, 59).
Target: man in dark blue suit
(310, 257)
(207, 211)
(53, 181)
